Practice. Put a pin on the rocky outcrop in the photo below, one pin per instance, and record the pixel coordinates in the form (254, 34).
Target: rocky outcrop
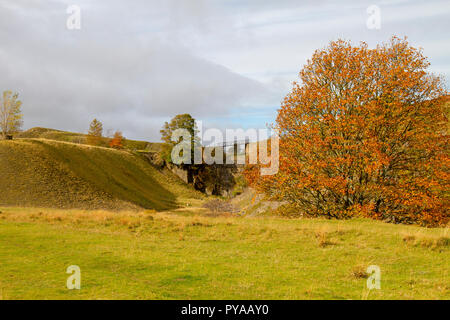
(215, 179)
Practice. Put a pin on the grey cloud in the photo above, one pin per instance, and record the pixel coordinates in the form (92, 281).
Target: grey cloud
(67, 77)
(136, 63)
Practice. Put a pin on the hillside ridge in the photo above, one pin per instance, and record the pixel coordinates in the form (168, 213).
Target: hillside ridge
(60, 174)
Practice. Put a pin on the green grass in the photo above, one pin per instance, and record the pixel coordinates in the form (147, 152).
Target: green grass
(185, 254)
(47, 173)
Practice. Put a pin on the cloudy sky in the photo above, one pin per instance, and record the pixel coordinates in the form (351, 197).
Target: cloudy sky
(135, 64)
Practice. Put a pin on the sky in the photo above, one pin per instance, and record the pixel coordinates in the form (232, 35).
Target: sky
(135, 64)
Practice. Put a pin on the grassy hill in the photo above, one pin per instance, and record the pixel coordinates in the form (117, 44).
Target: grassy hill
(46, 173)
(58, 135)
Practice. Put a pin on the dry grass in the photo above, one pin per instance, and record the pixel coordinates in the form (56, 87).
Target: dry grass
(434, 243)
(125, 218)
(359, 272)
(422, 238)
(325, 236)
(323, 239)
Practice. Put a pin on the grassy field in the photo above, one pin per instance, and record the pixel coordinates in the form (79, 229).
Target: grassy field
(187, 254)
(47, 173)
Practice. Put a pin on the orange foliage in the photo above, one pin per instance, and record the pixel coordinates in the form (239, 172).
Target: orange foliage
(364, 133)
(117, 141)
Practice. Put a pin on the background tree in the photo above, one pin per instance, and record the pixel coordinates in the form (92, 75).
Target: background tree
(94, 136)
(181, 121)
(10, 114)
(117, 140)
(365, 133)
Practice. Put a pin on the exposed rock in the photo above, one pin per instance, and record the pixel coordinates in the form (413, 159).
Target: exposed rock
(221, 206)
(155, 159)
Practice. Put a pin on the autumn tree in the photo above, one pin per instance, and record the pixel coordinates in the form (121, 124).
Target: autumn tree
(10, 113)
(117, 140)
(181, 121)
(95, 132)
(364, 132)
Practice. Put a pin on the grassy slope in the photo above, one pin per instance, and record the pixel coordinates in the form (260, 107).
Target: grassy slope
(65, 136)
(186, 255)
(45, 173)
